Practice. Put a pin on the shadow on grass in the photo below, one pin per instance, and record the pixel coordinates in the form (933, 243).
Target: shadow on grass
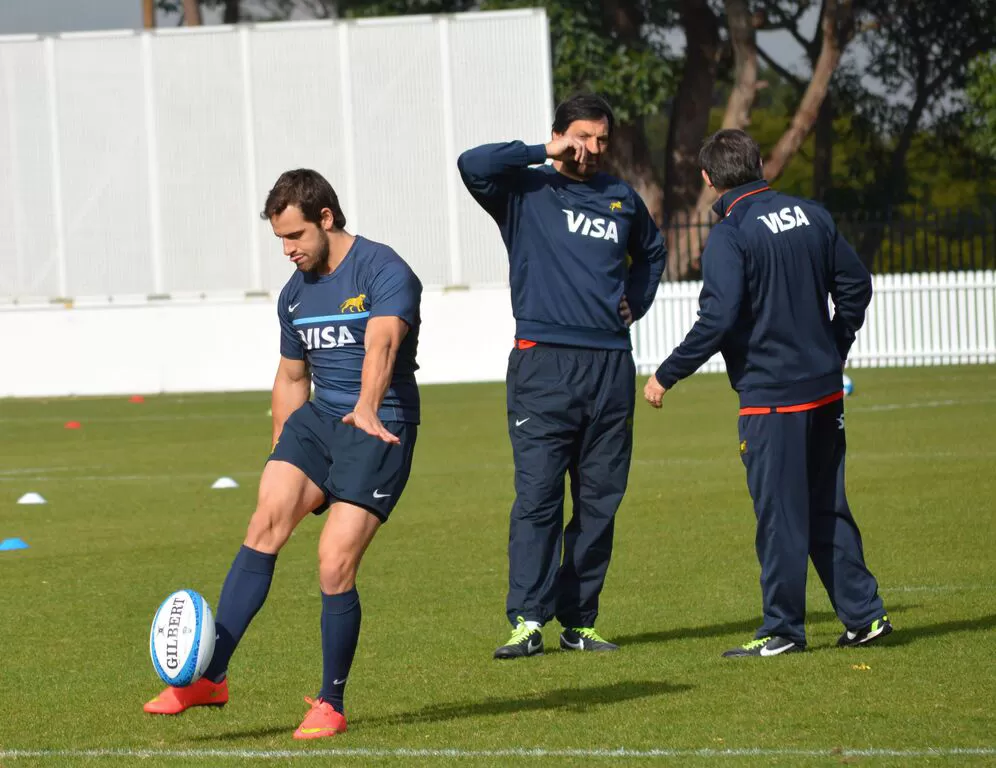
(743, 626)
(565, 699)
(906, 635)
(248, 733)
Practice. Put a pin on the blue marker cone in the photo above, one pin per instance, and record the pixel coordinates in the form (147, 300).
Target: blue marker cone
(9, 545)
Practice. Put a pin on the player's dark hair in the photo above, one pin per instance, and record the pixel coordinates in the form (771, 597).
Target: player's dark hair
(731, 158)
(582, 106)
(309, 191)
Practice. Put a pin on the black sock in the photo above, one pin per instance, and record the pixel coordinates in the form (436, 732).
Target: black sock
(340, 633)
(242, 595)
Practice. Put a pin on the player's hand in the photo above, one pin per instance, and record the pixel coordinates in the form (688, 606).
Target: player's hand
(368, 420)
(654, 392)
(567, 148)
(625, 312)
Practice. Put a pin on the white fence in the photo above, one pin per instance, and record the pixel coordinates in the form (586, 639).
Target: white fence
(135, 163)
(196, 345)
(921, 319)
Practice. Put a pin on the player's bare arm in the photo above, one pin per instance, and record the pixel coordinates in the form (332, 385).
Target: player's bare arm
(382, 340)
(291, 389)
(653, 392)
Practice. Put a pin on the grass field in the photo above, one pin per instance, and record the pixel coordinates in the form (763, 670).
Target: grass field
(131, 517)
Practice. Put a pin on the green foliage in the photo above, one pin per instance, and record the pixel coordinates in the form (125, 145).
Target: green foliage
(980, 118)
(358, 8)
(637, 79)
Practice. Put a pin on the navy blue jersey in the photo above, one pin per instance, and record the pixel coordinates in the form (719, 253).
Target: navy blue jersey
(769, 271)
(323, 320)
(568, 243)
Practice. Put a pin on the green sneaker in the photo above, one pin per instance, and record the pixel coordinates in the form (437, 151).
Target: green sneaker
(878, 628)
(764, 646)
(523, 642)
(584, 639)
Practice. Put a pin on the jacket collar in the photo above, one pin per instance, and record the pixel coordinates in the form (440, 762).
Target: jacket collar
(728, 199)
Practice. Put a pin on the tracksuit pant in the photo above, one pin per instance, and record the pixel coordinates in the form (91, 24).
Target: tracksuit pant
(795, 473)
(570, 412)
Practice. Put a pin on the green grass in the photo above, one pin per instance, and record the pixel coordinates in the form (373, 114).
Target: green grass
(131, 517)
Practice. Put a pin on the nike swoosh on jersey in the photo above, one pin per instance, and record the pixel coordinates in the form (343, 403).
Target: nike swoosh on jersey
(292, 307)
(378, 495)
(519, 423)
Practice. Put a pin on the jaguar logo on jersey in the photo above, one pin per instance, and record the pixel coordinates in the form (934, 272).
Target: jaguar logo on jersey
(327, 337)
(354, 304)
(600, 229)
(785, 219)
(615, 205)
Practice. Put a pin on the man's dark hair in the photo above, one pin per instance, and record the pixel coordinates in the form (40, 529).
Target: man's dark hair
(582, 106)
(309, 191)
(731, 158)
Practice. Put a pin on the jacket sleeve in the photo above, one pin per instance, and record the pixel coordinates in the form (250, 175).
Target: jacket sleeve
(851, 291)
(648, 253)
(489, 172)
(723, 284)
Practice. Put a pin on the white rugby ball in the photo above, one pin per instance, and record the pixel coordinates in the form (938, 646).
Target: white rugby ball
(182, 638)
(848, 386)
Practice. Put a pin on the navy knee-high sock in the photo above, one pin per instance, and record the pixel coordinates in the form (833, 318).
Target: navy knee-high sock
(340, 633)
(242, 595)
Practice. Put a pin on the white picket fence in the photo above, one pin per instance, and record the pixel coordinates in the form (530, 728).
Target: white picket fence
(942, 318)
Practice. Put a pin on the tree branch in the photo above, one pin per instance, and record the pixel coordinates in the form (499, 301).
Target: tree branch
(808, 109)
(783, 73)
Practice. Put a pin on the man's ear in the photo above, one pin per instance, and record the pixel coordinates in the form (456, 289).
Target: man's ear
(328, 220)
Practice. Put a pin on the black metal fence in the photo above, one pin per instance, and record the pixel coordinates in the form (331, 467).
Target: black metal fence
(894, 241)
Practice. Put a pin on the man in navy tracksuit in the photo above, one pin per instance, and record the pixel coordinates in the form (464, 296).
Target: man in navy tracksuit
(571, 379)
(768, 270)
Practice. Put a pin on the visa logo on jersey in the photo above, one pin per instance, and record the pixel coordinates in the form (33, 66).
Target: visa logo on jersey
(599, 228)
(326, 338)
(785, 219)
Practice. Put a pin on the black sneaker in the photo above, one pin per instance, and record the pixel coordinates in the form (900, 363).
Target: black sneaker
(765, 646)
(875, 630)
(584, 639)
(523, 642)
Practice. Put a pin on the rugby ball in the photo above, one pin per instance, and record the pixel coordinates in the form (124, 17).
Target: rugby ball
(182, 638)
(848, 386)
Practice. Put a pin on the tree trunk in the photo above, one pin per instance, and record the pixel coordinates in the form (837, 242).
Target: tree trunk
(742, 40)
(630, 155)
(894, 185)
(692, 103)
(191, 13)
(149, 14)
(691, 227)
(836, 16)
(737, 116)
(231, 12)
(630, 160)
(686, 129)
(823, 151)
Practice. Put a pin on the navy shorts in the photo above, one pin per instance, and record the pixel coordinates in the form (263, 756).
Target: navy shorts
(346, 462)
